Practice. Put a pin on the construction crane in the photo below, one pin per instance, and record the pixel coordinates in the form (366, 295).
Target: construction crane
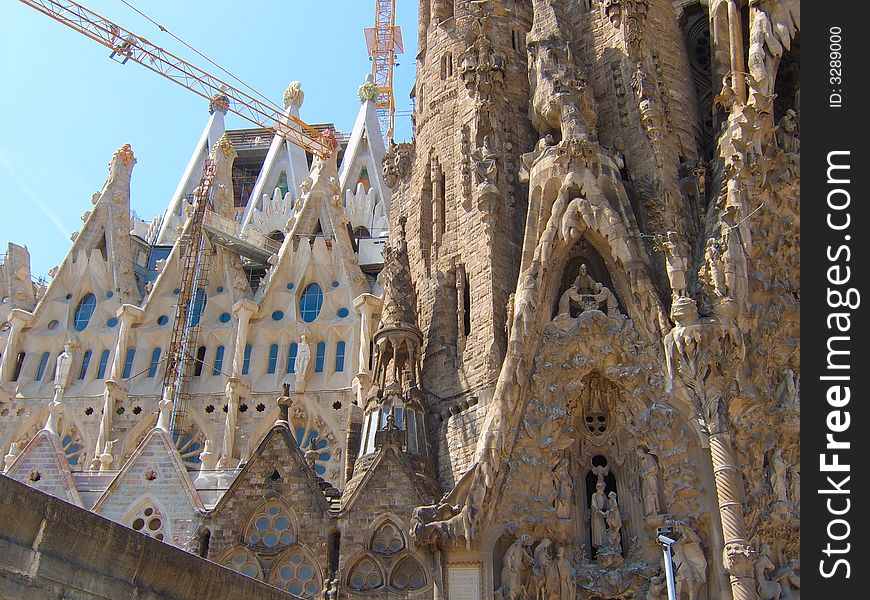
(125, 46)
(384, 44)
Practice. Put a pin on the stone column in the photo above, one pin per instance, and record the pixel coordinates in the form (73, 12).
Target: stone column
(706, 357)
(243, 310)
(460, 308)
(18, 319)
(735, 35)
(437, 206)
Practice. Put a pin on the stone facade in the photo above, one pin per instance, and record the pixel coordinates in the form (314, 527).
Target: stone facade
(583, 332)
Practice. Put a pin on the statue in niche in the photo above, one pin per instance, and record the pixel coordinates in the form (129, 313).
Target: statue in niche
(587, 294)
(677, 264)
(649, 481)
(787, 133)
(599, 515)
(303, 359)
(485, 163)
(516, 560)
(690, 564)
(778, 476)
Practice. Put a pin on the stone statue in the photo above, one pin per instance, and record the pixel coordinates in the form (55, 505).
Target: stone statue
(63, 370)
(690, 564)
(677, 264)
(649, 481)
(545, 582)
(566, 575)
(778, 476)
(767, 576)
(599, 515)
(787, 133)
(303, 360)
(658, 588)
(603, 295)
(565, 490)
(516, 560)
(485, 163)
(614, 521)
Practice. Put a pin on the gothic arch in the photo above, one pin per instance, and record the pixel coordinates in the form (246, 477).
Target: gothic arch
(387, 538)
(297, 571)
(270, 527)
(241, 560)
(147, 516)
(408, 573)
(366, 573)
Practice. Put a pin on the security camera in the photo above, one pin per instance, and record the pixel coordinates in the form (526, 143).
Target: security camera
(663, 539)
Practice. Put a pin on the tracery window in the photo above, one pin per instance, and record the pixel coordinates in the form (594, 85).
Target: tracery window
(408, 575)
(296, 573)
(271, 528)
(365, 576)
(104, 361)
(243, 561)
(149, 521)
(388, 539)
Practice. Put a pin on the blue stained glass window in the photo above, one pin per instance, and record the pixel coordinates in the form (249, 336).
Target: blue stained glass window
(321, 355)
(273, 358)
(128, 362)
(84, 311)
(339, 357)
(162, 320)
(86, 359)
(277, 315)
(225, 317)
(291, 357)
(155, 360)
(218, 360)
(104, 361)
(112, 322)
(311, 303)
(199, 301)
(246, 364)
(43, 361)
(343, 312)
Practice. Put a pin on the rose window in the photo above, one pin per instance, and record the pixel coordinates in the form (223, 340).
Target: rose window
(241, 561)
(365, 576)
(271, 528)
(149, 521)
(388, 540)
(408, 575)
(297, 574)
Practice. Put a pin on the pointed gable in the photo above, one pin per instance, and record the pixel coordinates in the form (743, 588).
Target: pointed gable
(383, 477)
(43, 465)
(154, 473)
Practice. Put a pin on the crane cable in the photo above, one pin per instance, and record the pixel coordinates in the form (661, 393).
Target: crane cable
(165, 30)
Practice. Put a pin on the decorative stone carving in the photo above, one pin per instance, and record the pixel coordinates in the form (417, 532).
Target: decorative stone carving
(397, 164)
(515, 562)
(690, 564)
(303, 360)
(649, 481)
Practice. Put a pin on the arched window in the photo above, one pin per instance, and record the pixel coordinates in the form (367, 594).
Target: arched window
(291, 357)
(199, 301)
(86, 360)
(297, 573)
(40, 370)
(84, 311)
(104, 361)
(339, 357)
(311, 303)
(365, 576)
(200, 361)
(270, 528)
(273, 358)
(243, 561)
(388, 539)
(246, 362)
(321, 356)
(408, 575)
(155, 360)
(128, 362)
(218, 360)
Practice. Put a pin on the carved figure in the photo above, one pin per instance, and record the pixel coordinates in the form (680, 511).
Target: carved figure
(599, 515)
(603, 295)
(787, 133)
(545, 581)
(766, 575)
(677, 264)
(485, 162)
(690, 564)
(303, 359)
(778, 474)
(63, 370)
(649, 481)
(516, 560)
(566, 575)
(614, 521)
(565, 493)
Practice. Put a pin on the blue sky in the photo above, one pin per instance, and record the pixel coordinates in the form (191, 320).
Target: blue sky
(65, 107)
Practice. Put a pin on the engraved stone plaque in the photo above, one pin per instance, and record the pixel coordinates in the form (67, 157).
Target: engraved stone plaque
(463, 583)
